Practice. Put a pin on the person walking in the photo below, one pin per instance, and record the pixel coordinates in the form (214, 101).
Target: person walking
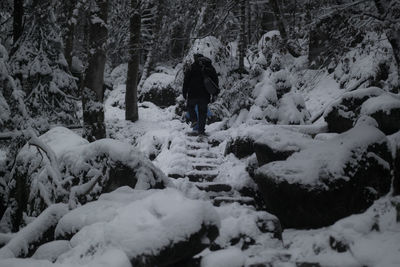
(196, 93)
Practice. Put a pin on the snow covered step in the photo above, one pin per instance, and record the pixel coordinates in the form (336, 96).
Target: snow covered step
(197, 145)
(214, 187)
(205, 161)
(217, 201)
(202, 153)
(176, 175)
(204, 167)
(200, 176)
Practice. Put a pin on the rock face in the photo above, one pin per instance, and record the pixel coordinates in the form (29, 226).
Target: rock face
(373, 102)
(329, 180)
(158, 89)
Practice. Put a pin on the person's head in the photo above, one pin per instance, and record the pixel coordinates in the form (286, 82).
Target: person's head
(197, 56)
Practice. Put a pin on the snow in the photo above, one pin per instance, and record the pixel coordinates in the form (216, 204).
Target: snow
(144, 226)
(329, 157)
(283, 140)
(356, 94)
(384, 103)
(51, 250)
(232, 257)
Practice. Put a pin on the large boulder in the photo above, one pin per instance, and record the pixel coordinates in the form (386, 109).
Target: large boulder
(279, 144)
(374, 102)
(151, 227)
(65, 167)
(329, 180)
(385, 109)
(343, 113)
(158, 89)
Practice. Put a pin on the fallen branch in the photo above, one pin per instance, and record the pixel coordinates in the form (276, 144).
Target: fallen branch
(38, 232)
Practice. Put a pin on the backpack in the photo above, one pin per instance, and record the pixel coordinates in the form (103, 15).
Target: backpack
(206, 68)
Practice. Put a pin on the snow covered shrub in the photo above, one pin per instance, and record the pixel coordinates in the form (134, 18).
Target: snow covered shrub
(63, 167)
(118, 75)
(282, 83)
(40, 66)
(237, 97)
(270, 43)
(370, 62)
(292, 109)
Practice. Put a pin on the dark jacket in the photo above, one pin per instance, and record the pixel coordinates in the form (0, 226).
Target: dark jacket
(193, 86)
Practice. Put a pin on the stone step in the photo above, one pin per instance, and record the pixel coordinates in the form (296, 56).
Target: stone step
(204, 167)
(214, 187)
(201, 154)
(217, 201)
(205, 161)
(201, 176)
(197, 145)
(176, 175)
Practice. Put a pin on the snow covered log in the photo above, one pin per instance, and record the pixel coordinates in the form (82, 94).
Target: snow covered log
(380, 105)
(329, 180)
(85, 170)
(153, 228)
(38, 232)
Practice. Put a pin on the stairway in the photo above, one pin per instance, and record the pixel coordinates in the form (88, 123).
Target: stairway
(202, 160)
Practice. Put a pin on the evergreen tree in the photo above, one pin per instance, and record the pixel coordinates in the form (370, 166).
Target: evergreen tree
(40, 66)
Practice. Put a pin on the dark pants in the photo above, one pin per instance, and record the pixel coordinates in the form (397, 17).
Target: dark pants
(202, 109)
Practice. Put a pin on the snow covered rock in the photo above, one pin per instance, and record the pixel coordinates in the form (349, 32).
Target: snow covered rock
(51, 250)
(385, 109)
(328, 180)
(374, 102)
(158, 89)
(158, 228)
(242, 226)
(342, 114)
(240, 147)
(279, 144)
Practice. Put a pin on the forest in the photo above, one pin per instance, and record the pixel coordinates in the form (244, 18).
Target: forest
(105, 160)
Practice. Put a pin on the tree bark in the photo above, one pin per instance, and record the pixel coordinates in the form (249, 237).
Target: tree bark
(392, 30)
(131, 107)
(69, 40)
(242, 34)
(18, 15)
(92, 95)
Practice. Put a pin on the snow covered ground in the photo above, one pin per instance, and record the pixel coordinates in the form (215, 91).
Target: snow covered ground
(108, 229)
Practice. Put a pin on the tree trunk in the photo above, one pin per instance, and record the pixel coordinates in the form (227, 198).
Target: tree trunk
(242, 34)
(131, 107)
(69, 40)
(18, 19)
(281, 26)
(392, 30)
(92, 95)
